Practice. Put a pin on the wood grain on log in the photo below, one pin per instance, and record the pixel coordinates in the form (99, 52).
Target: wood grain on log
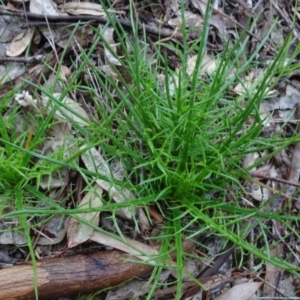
(69, 275)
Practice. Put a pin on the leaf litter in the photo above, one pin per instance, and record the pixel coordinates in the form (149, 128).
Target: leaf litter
(268, 181)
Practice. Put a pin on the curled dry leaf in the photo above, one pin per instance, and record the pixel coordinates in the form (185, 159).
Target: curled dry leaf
(260, 193)
(111, 53)
(20, 43)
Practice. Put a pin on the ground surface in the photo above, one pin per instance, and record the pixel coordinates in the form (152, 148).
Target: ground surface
(167, 130)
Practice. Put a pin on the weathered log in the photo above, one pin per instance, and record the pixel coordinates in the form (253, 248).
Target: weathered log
(69, 275)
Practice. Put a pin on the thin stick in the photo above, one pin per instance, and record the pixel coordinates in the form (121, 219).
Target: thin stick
(275, 179)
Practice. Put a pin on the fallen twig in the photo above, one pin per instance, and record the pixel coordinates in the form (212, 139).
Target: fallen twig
(161, 32)
(288, 182)
(70, 275)
(65, 276)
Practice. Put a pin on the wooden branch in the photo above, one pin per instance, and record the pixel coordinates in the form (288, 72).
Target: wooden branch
(67, 276)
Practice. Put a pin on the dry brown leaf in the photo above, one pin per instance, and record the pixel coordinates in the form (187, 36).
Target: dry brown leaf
(56, 180)
(129, 246)
(171, 9)
(247, 84)
(208, 65)
(54, 231)
(111, 53)
(94, 162)
(72, 107)
(61, 36)
(44, 7)
(62, 141)
(190, 20)
(283, 105)
(71, 110)
(118, 173)
(85, 8)
(108, 71)
(191, 267)
(20, 43)
(77, 232)
(250, 83)
(258, 192)
(242, 291)
(12, 237)
(200, 5)
(131, 290)
(173, 82)
(272, 273)
(54, 83)
(7, 32)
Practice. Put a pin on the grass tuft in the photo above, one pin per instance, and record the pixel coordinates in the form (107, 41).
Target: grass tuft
(180, 135)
